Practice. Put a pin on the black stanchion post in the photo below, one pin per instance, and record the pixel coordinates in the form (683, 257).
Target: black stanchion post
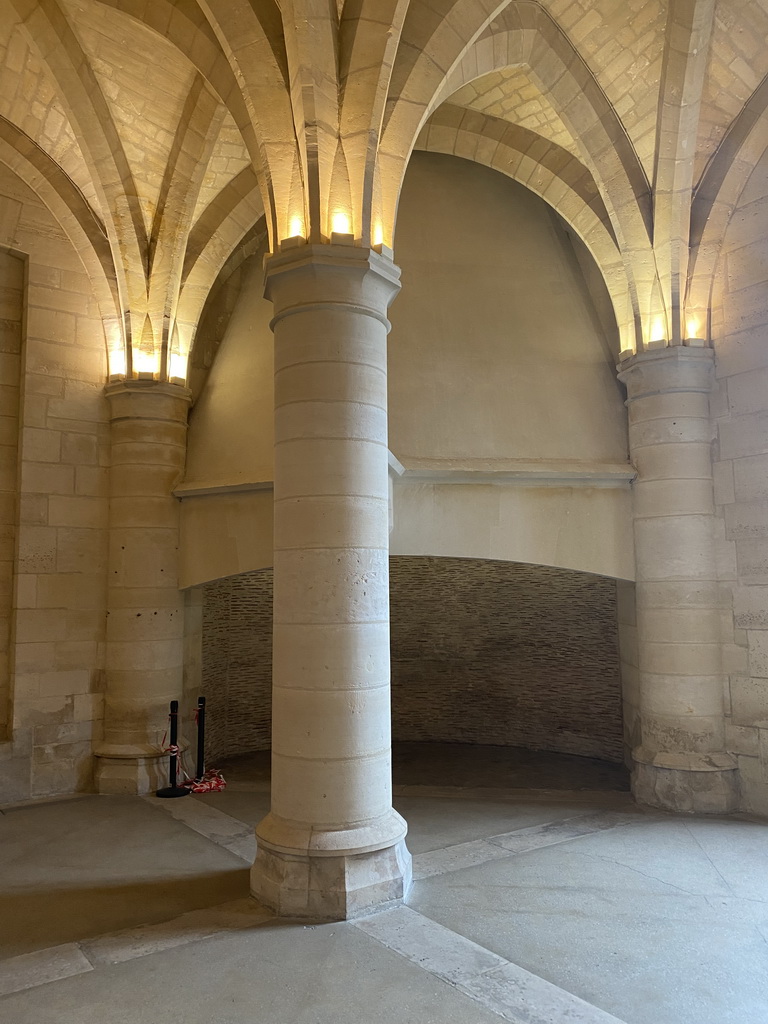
(172, 789)
(200, 770)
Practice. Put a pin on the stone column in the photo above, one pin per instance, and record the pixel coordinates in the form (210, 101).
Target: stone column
(681, 762)
(332, 845)
(145, 619)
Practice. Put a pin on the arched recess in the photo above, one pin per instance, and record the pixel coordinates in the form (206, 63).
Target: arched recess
(550, 172)
(525, 35)
(584, 481)
(546, 675)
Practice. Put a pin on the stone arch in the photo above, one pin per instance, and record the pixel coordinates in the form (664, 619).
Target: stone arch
(213, 240)
(525, 34)
(78, 220)
(717, 194)
(250, 34)
(52, 36)
(547, 170)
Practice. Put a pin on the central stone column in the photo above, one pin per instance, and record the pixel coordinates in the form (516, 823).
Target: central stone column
(333, 845)
(681, 762)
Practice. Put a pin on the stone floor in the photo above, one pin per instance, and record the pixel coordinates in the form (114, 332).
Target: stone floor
(538, 906)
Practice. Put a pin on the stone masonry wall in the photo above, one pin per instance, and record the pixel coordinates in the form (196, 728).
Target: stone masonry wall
(59, 588)
(740, 467)
(12, 272)
(482, 652)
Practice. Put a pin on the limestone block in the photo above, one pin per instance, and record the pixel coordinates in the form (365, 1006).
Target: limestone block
(88, 707)
(81, 401)
(64, 683)
(80, 449)
(652, 433)
(33, 509)
(747, 435)
(306, 723)
(26, 591)
(683, 733)
(754, 792)
(332, 467)
(687, 792)
(749, 700)
(70, 590)
(742, 739)
(758, 653)
(724, 486)
(336, 791)
(91, 480)
(64, 732)
(40, 625)
(669, 497)
(37, 549)
(81, 550)
(39, 445)
(357, 524)
(147, 624)
(751, 478)
(688, 659)
(747, 391)
(747, 519)
(735, 659)
(686, 405)
(47, 478)
(83, 512)
(750, 607)
(679, 625)
(151, 512)
(669, 547)
(30, 711)
(726, 562)
(752, 561)
(85, 624)
(349, 585)
(331, 888)
(691, 702)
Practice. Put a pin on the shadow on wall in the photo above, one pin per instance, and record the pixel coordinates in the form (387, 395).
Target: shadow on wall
(484, 652)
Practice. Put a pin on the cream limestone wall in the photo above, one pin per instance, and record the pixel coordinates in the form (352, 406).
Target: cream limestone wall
(496, 351)
(740, 410)
(226, 514)
(12, 271)
(510, 428)
(57, 650)
(231, 432)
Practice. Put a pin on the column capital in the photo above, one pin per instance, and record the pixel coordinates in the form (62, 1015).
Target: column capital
(320, 277)
(147, 399)
(667, 370)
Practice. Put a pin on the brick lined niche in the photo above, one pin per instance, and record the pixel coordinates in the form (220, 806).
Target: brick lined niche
(237, 663)
(482, 652)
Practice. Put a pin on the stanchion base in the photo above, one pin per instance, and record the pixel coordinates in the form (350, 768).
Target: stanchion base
(171, 791)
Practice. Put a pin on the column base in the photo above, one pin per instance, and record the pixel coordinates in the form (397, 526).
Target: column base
(334, 888)
(686, 783)
(126, 770)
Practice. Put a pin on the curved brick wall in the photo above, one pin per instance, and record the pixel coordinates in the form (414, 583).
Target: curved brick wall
(482, 652)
